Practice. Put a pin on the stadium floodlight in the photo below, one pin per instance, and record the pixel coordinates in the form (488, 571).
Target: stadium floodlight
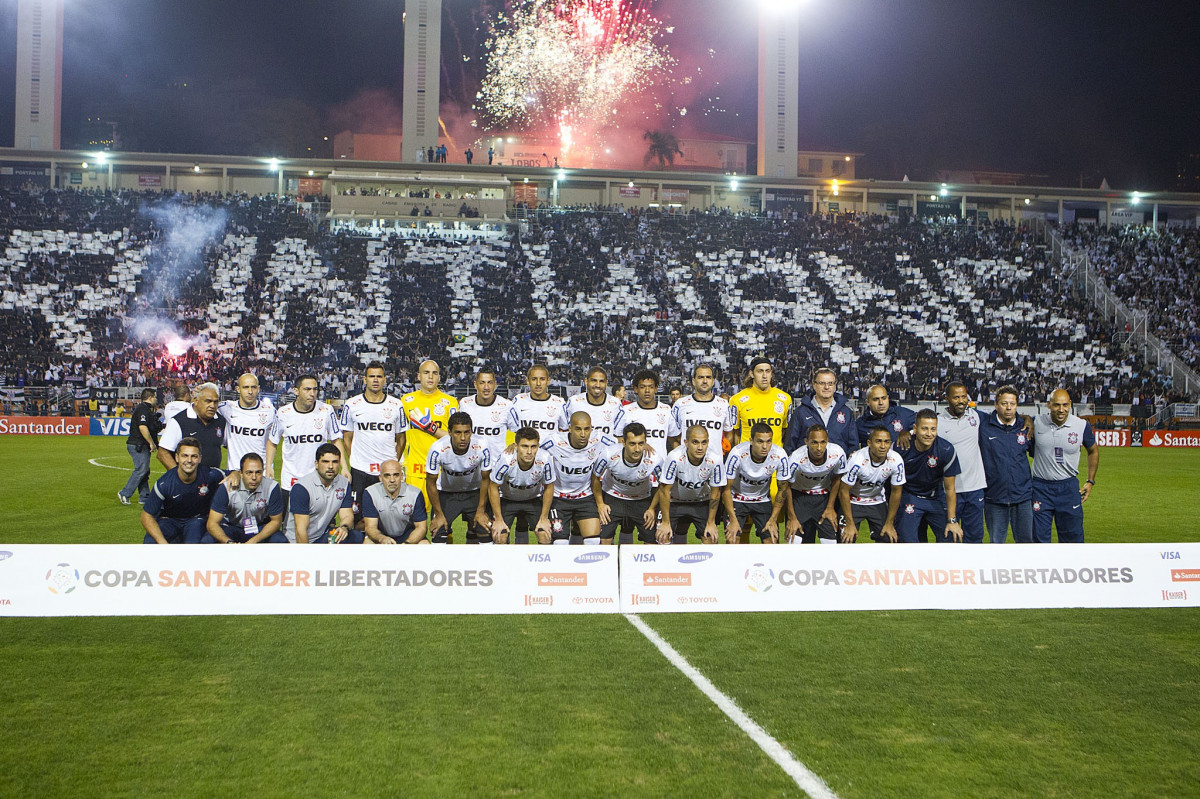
(84, 165)
(932, 197)
(1137, 198)
(1027, 201)
(310, 173)
(101, 157)
(945, 192)
(526, 180)
(196, 168)
(631, 184)
(562, 174)
(733, 185)
(835, 187)
(780, 6)
(274, 164)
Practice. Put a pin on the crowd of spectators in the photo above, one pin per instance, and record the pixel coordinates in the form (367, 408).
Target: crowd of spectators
(909, 303)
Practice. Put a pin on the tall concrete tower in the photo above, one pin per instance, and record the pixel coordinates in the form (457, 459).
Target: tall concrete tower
(39, 75)
(778, 88)
(422, 75)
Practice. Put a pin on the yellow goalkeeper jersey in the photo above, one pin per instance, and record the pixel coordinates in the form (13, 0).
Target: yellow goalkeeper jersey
(771, 406)
(427, 414)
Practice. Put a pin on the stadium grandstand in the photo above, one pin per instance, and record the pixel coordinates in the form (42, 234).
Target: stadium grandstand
(134, 288)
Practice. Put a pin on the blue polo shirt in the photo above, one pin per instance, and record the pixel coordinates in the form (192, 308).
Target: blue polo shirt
(841, 425)
(1005, 450)
(897, 420)
(924, 470)
(174, 499)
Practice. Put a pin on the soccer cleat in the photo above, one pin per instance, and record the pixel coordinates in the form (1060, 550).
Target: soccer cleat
(124, 499)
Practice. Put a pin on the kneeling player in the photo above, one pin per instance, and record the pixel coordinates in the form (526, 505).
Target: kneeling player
(862, 493)
(520, 487)
(393, 511)
(623, 481)
(689, 491)
(318, 497)
(453, 478)
(815, 468)
(748, 472)
(575, 502)
(252, 513)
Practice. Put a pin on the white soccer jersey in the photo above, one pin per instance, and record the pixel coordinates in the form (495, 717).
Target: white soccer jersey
(375, 426)
(715, 415)
(517, 484)
(301, 434)
(603, 416)
(963, 433)
(867, 480)
(246, 429)
(173, 409)
(488, 422)
(812, 478)
(749, 480)
(457, 472)
(656, 420)
(623, 481)
(689, 482)
(541, 415)
(574, 466)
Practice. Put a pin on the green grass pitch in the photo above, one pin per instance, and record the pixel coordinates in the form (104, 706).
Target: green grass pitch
(923, 703)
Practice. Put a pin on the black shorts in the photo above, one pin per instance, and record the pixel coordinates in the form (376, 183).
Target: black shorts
(359, 483)
(565, 511)
(758, 512)
(686, 515)
(526, 510)
(460, 504)
(809, 508)
(874, 515)
(629, 515)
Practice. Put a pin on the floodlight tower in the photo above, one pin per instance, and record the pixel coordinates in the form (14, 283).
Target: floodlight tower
(38, 124)
(778, 87)
(422, 75)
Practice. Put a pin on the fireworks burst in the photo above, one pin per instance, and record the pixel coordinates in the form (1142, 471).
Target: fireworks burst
(570, 65)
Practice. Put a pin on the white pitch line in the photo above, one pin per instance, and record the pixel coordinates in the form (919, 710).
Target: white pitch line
(106, 466)
(809, 782)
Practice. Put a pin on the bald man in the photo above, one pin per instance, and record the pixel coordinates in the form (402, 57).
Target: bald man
(1058, 499)
(577, 498)
(394, 511)
(428, 411)
(881, 410)
(249, 418)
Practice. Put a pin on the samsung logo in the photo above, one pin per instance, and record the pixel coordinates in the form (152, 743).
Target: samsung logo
(696, 557)
(592, 557)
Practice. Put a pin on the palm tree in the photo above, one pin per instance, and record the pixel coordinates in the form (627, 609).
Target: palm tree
(664, 146)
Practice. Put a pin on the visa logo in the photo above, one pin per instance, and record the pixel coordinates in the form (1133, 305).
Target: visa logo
(1169, 556)
(109, 426)
(538, 557)
(643, 558)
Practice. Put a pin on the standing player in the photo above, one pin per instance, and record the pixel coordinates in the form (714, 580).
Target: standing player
(1057, 497)
(182, 401)
(760, 402)
(375, 427)
(602, 407)
(897, 419)
(303, 425)
(428, 410)
(703, 407)
(749, 469)
(520, 487)
(249, 418)
(863, 495)
(816, 471)
(488, 411)
(826, 406)
(624, 481)
(931, 469)
(575, 453)
(453, 478)
(689, 491)
(393, 511)
(539, 409)
(1008, 498)
(962, 426)
(318, 497)
(252, 513)
(655, 416)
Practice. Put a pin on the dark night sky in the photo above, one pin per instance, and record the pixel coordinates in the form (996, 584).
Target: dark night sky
(1099, 88)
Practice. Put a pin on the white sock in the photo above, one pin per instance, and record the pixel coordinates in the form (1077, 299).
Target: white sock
(561, 542)
(592, 542)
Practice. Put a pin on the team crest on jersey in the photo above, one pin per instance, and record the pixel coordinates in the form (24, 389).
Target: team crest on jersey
(897, 426)
(1037, 506)
(971, 420)
(778, 406)
(203, 491)
(262, 418)
(910, 509)
(340, 493)
(1020, 438)
(407, 508)
(220, 433)
(1072, 438)
(260, 504)
(318, 424)
(841, 417)
(440, 408)
(932, 461)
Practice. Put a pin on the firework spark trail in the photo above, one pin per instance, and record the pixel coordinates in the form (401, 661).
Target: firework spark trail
(569, 65)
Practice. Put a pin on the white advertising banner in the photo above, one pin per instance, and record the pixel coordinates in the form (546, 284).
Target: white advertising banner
(908, 576)
(140, 580)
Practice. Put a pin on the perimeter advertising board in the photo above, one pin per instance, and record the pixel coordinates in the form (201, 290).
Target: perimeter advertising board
(44, 425)
(908, 576)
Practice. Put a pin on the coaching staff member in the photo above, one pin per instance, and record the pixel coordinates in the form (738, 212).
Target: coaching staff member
(201, 422)
(1057, 497)
(177, 509)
